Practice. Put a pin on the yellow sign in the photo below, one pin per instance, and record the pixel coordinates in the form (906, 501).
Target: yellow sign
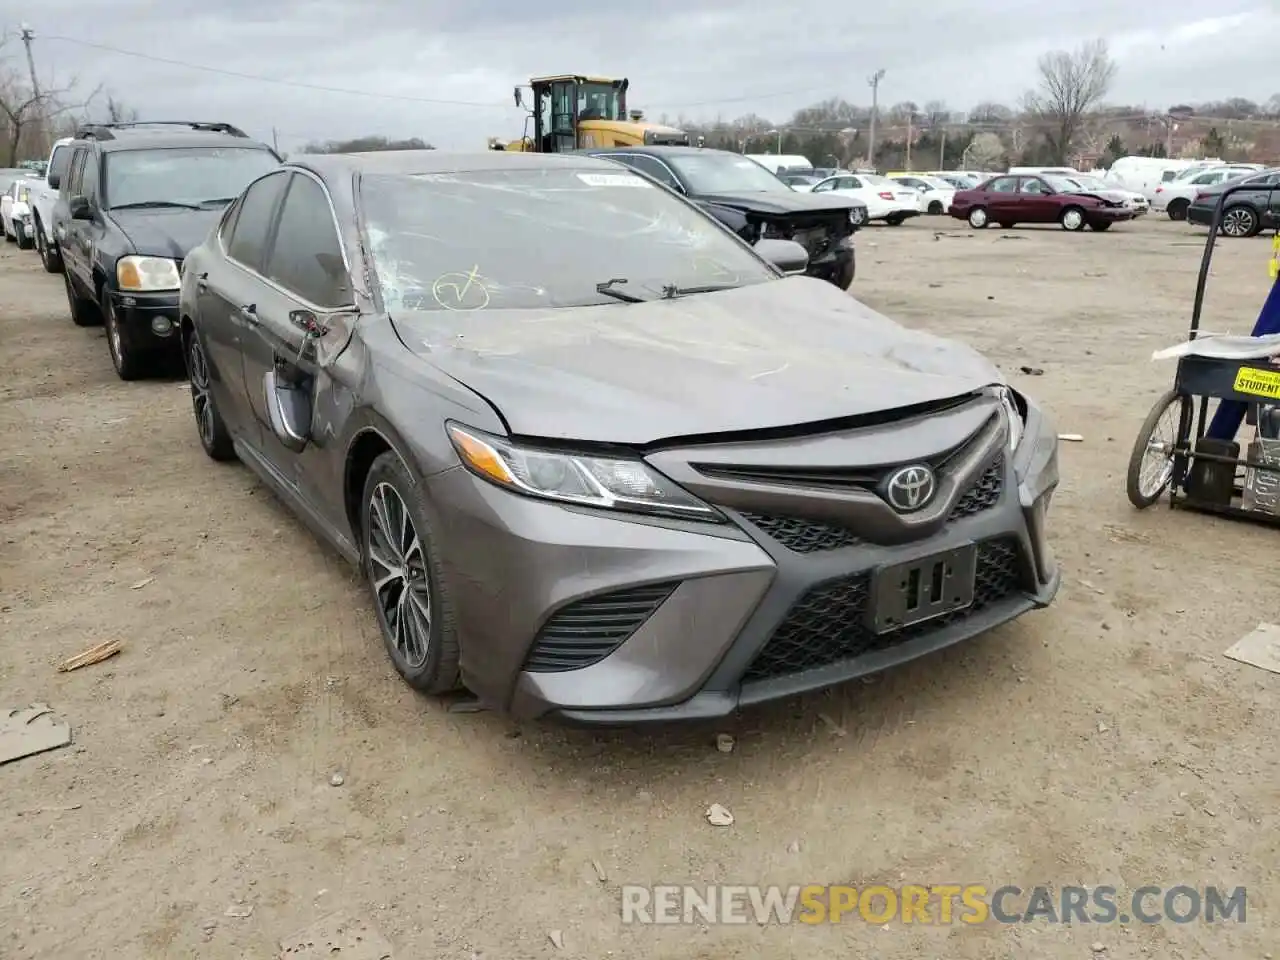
(1258, 383)
(1274, 266)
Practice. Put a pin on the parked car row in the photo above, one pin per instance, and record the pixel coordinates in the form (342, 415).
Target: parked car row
(15, 206)
(599, 455)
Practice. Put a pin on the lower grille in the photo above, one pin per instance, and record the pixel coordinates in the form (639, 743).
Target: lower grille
(801, 535)
(827, 624)
(588, 630)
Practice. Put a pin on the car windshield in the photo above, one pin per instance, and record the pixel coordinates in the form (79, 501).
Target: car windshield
(708, 172)
(1090, 183)
(182, 175)
(537, 238)
(877, 180)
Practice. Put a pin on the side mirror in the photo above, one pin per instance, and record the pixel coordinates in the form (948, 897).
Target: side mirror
(54, 180)
(289, 411)
(787, 255)
(80, 209)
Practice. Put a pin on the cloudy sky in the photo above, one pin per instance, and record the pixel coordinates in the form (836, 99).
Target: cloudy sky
(699, 58)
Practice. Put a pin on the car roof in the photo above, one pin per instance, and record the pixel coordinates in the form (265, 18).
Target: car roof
(411, 162)
(659, 150)
(152, 140)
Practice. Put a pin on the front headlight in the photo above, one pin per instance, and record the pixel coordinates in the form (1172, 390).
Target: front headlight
(147, 274)
(1013, 416)
(605, 482)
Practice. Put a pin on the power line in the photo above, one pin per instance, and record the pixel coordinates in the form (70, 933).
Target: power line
(301, 85)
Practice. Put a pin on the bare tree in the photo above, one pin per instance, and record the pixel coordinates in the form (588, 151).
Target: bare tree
(117, 112)
(1072, 82)
(902, 112)
(23, 110)
(936, 113)
(989, 112)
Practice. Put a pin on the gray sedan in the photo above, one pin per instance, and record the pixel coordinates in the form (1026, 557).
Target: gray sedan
(596, 456)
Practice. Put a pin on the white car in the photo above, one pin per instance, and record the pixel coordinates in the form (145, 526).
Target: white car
(888, 201)
(44, 194)
(1133, 199)
(15, 211)
(1176, 196)
(935, 194)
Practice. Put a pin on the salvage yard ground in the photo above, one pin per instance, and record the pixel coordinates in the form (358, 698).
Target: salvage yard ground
(1106, 740)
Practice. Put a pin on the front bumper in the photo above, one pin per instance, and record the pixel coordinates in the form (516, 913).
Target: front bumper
(147, 320)
(1109, 214)
(710, 617)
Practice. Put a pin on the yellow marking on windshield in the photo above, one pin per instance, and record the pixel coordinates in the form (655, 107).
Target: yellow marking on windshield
(461, 291)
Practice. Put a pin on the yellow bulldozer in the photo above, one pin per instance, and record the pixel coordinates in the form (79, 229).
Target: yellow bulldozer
(572, 112)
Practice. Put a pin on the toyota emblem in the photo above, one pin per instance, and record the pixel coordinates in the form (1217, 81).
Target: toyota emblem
(910, 488)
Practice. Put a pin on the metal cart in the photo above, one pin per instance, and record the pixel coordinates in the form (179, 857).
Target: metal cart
(1172, 452)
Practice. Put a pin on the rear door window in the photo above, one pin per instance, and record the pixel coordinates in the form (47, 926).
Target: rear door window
(248, 238)
(1003, 185)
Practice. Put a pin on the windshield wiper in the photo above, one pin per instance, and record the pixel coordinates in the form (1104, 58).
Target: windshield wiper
(222, 200)
(154, 203)
(607, 288)
(671, 291)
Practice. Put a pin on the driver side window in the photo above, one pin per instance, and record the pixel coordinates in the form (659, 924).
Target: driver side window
(825, 186)
(306, 256)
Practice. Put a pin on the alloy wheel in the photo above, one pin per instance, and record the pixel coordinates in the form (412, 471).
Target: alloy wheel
(113, 333)
(1237, 222)
(398, 573)
(978, 218)
(201, 403)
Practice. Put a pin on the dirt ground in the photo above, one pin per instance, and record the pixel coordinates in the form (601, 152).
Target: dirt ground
(1105, 740)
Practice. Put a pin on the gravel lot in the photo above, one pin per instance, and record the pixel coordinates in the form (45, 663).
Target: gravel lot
(1105, 740)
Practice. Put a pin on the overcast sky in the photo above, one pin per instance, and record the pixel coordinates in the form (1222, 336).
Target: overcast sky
(700, 58)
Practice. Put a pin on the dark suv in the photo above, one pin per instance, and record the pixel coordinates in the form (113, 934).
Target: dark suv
(134, 199)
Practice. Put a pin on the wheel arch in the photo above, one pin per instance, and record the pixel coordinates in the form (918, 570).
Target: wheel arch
(370, 441)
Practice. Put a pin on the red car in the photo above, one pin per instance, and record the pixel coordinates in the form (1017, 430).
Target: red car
(1009, 200)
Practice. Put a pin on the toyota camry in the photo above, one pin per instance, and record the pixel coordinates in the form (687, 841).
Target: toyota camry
(596, 456)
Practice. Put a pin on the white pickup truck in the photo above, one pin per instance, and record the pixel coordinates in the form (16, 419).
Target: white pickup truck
(44, 194)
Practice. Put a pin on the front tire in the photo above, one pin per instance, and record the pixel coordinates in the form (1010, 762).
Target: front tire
(24, 242)
(895, 219)
(935, 207)
(406, 580)
(1100, 227)
(49, 256)
(84, 313)
(214, 437)
(1072, 219)
(130, 362)
(1143, 491)
(1177, 209)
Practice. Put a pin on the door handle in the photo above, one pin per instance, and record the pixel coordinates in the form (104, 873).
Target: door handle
(249, 314)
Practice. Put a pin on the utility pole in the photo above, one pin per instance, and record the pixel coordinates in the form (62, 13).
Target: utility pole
(27, 36)
(942, 151)
(874, 82)
(910, 117)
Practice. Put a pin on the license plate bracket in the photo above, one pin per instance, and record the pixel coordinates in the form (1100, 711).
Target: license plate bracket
(909, 593)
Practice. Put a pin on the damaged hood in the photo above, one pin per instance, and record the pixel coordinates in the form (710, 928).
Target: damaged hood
(1110, 196)
(166, 232)
(780, 203)
(774, 354)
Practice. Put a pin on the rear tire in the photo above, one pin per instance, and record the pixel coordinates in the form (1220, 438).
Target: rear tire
(978, 218)
(214, 436)
(1006, 225)
(24, 242)
(895, 219)
(1178, 209)
(1072, 219)
(935, 207)
(9, 237)
(1240, 221)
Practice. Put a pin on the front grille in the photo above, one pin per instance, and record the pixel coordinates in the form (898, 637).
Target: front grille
(827, 624)
(984, 494)
(800, 534)
(588, 630)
